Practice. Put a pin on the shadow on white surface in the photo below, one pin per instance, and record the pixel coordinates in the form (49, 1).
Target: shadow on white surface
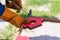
(44, 37)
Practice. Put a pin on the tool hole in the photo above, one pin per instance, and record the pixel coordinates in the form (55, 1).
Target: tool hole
(33, 22)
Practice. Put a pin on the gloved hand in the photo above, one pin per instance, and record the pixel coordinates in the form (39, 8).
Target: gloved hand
(14, 4)
(13, 18)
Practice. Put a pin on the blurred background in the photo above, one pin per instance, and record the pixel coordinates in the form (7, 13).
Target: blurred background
(40, 8)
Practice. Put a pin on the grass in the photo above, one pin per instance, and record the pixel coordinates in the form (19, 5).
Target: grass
(36, 2)
(55, 8)
(42, 14)
(37, 14)
(8, 33)
(23, 14)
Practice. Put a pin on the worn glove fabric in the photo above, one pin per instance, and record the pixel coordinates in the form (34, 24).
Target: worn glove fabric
(12, 17)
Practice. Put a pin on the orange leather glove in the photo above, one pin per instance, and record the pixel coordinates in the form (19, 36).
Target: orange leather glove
(12, 17)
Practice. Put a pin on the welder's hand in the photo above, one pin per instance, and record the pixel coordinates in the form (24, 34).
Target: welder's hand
(26, 20)
(14, 4)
